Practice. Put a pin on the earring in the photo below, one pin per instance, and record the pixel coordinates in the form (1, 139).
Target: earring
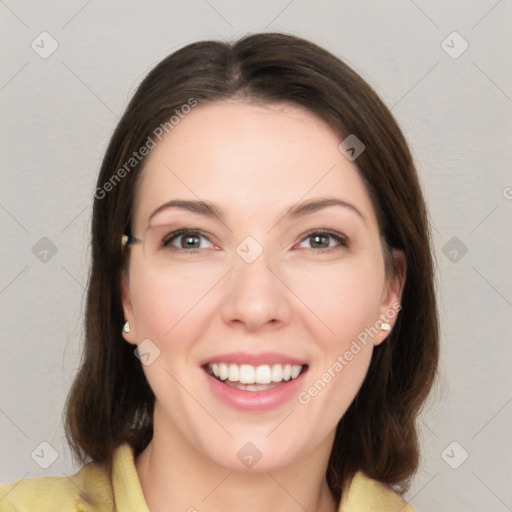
(385, 327)
(126, 327)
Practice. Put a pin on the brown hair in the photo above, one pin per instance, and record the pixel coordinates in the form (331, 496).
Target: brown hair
(111, 403)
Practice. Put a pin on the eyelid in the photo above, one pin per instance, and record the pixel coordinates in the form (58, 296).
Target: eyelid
(343, 240)
(173, 235)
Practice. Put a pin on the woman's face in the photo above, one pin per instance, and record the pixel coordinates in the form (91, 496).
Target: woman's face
(268, 288)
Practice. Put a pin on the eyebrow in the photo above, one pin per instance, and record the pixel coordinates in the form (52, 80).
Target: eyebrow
(295, 211)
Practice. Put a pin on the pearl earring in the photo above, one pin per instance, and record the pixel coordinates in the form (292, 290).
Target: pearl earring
(126, 327)
(385, 327)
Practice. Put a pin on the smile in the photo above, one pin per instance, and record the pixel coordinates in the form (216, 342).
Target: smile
(269, 386)
(254, 378)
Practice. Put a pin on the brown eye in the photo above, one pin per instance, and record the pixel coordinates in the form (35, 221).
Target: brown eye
(187, 239)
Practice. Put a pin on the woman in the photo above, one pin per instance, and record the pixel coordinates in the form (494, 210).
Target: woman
(261, 326)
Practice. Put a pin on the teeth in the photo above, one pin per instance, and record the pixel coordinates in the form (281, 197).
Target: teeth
(248, 374)
(223, 371)
(263, 375)
(233, 373)
(277, 373)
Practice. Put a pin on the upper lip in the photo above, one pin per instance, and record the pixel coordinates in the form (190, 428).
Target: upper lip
(262, 358)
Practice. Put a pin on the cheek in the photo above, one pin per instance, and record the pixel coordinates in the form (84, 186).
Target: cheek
(344, 304)
(344, 299)
(164, 303)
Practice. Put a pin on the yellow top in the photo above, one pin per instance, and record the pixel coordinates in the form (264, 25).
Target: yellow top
(91, 489)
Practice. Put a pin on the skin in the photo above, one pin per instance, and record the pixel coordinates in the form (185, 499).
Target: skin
(254, 162)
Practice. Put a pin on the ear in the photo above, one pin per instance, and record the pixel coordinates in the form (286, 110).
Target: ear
(392, 295)
(127, 308)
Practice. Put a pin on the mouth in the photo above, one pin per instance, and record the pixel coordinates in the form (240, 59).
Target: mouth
(246, 377)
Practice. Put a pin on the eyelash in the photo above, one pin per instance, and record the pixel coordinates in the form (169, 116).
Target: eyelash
(341, 239)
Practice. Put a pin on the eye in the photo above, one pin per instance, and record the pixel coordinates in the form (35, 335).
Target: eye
(322, 240)
(193, 240)
(186, 239)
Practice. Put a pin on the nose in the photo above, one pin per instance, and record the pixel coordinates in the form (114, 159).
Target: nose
(255, 298)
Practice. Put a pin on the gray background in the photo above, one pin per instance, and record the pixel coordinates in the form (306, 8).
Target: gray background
(58, 113)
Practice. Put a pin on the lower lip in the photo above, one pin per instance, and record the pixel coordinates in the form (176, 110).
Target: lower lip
(255, 400)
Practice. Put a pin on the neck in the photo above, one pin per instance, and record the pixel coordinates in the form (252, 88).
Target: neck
(174, 475)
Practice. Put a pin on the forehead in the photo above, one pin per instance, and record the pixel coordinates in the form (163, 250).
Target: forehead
(252, 159)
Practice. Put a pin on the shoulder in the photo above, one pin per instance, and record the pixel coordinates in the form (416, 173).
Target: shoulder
(367, 495)
(89, 489)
